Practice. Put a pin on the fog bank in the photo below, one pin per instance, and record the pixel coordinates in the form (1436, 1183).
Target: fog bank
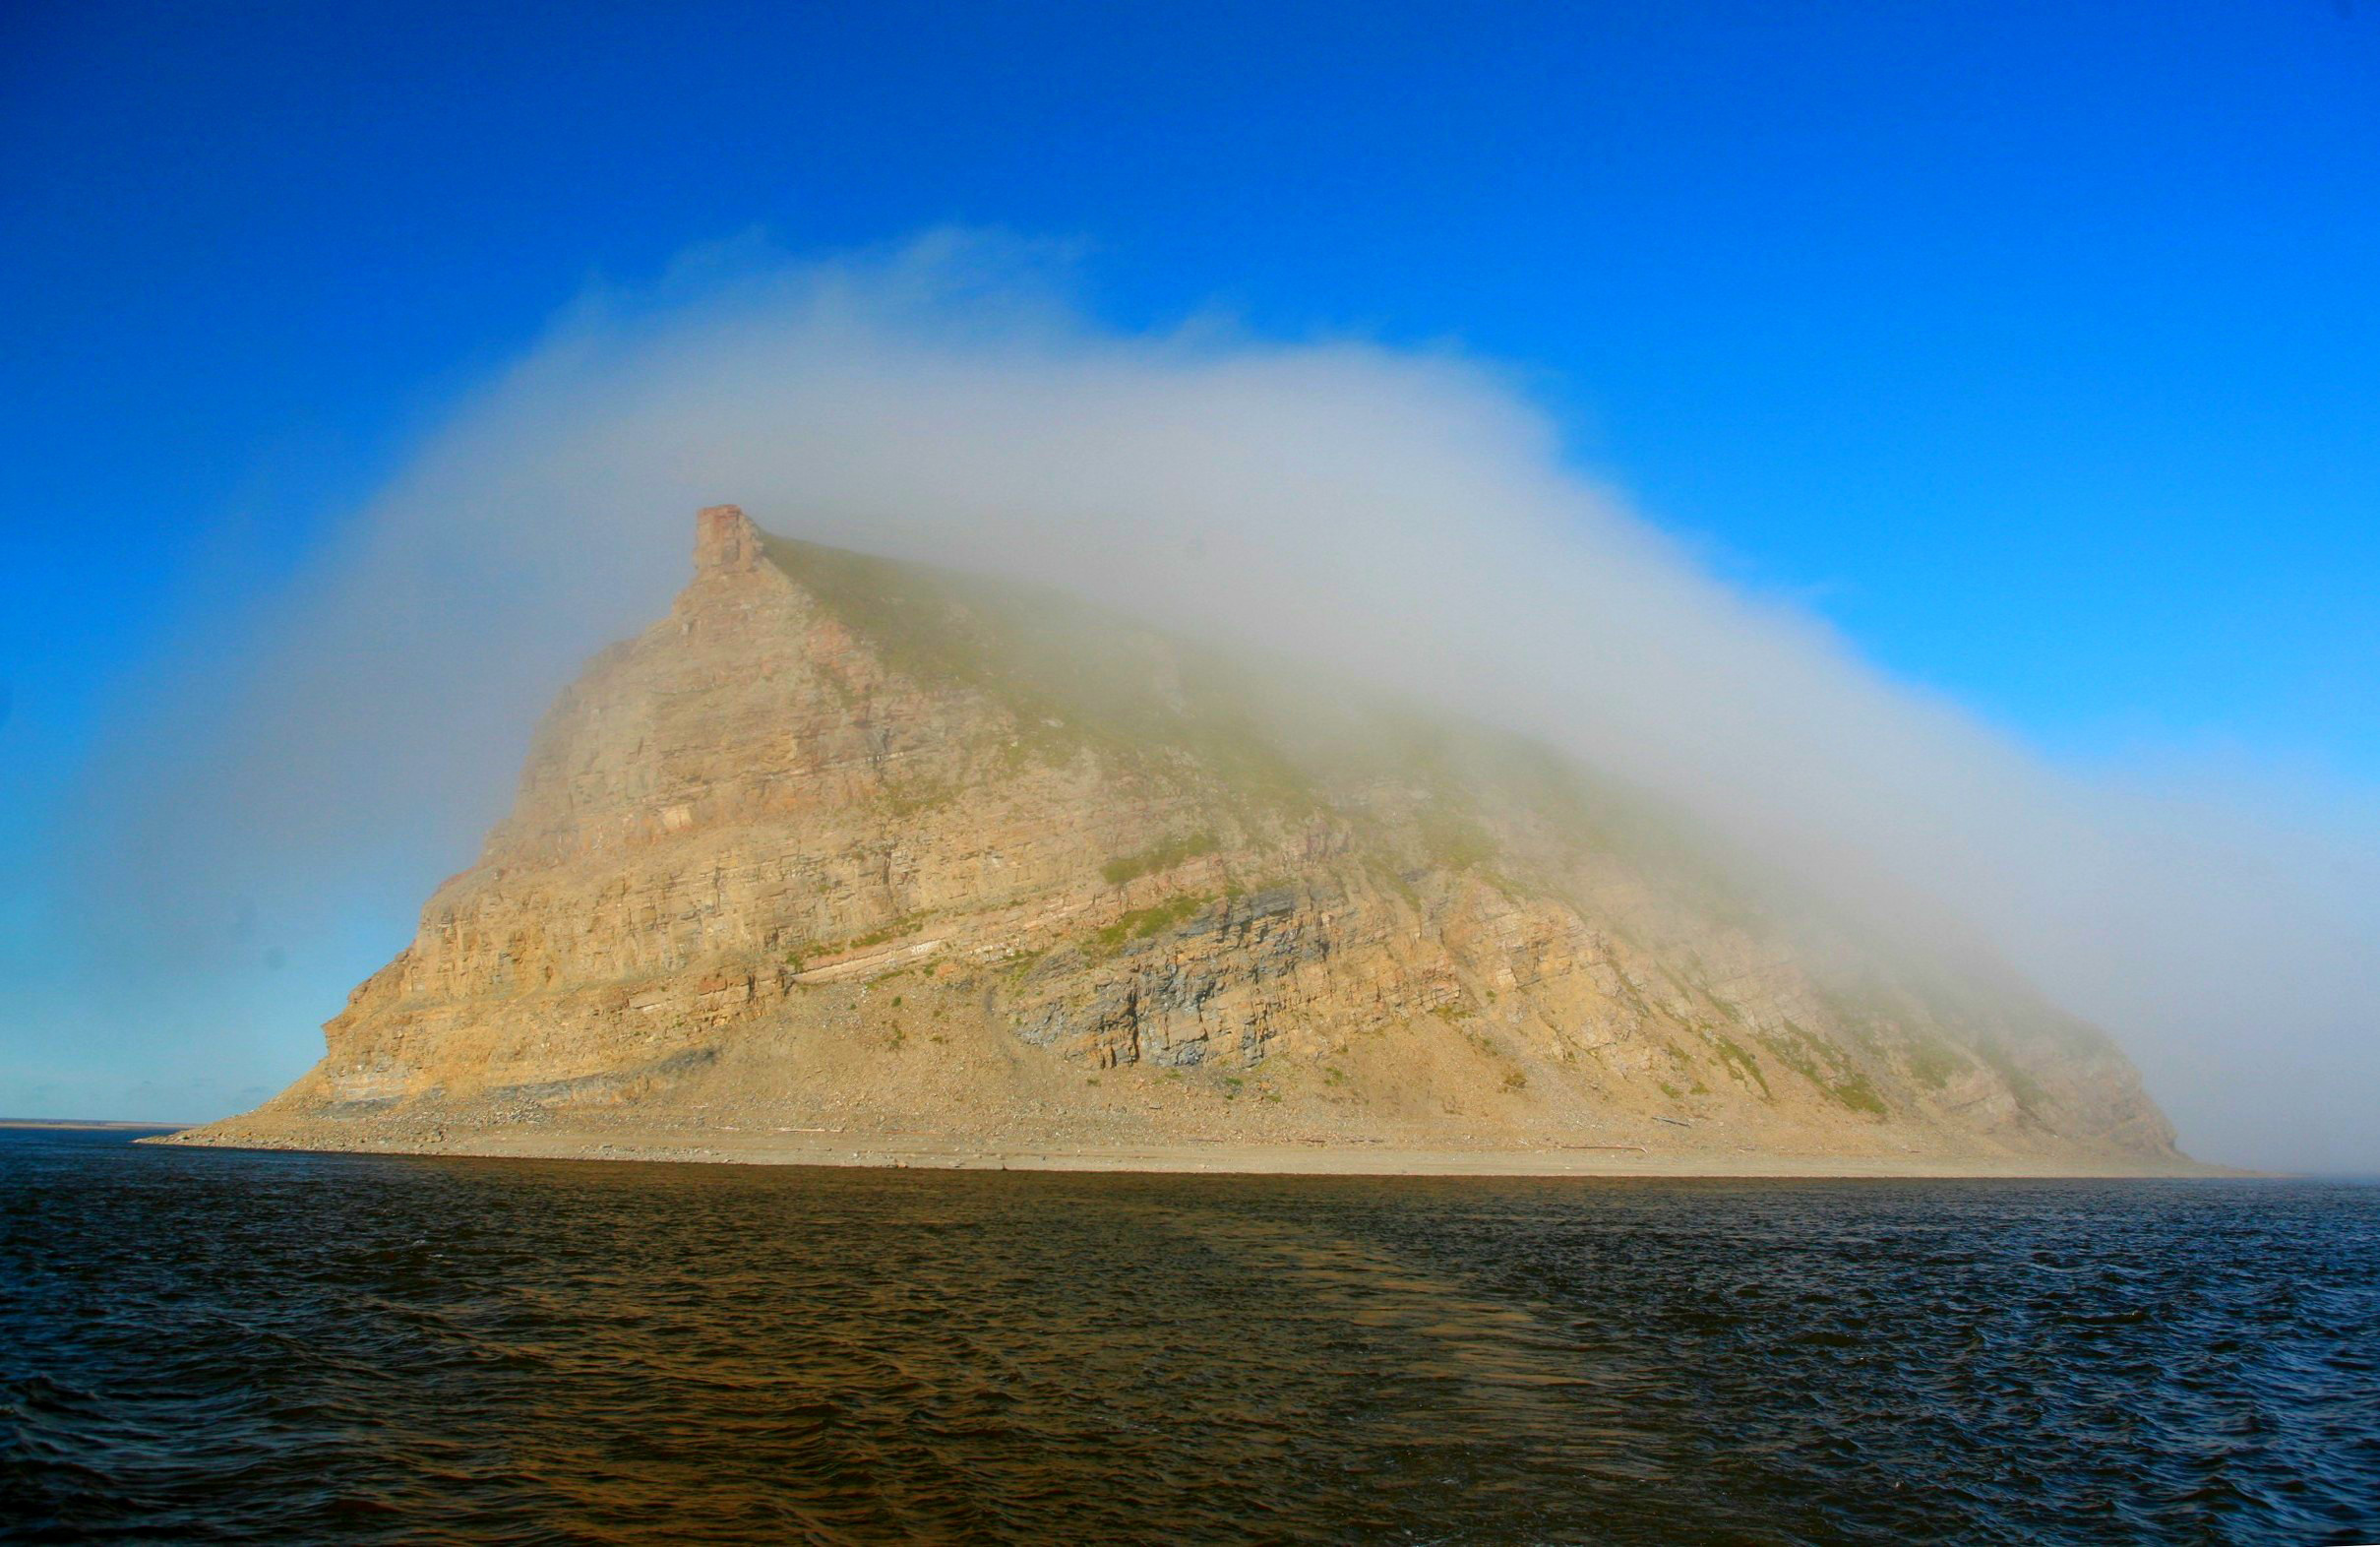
(1408, 517)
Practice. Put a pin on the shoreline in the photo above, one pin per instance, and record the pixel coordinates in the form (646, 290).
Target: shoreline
(90, 1125)
(1219, 1158)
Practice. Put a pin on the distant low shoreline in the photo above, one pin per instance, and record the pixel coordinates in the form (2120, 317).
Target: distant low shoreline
(89, 1123)
(748, 1147)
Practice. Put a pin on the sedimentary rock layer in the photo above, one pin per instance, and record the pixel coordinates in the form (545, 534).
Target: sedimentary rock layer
(846, 843)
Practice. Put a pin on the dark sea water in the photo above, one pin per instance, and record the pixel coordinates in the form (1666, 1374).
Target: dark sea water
(207, 1345)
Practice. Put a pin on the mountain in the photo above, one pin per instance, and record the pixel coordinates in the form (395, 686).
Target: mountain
(874, 857)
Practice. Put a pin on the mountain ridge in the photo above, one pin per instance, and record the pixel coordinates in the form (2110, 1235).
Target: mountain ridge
(940, 856)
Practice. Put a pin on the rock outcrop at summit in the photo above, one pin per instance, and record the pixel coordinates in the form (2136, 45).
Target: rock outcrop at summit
(845, 844)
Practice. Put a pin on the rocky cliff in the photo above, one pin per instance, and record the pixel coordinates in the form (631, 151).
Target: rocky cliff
(843, 846)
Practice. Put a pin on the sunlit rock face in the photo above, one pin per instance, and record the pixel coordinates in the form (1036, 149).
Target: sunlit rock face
(846, 838)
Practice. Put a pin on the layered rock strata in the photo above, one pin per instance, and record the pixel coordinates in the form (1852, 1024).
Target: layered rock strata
(847, 844)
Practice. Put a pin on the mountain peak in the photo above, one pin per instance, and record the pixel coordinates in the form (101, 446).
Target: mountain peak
(853, 842)
(725, 540)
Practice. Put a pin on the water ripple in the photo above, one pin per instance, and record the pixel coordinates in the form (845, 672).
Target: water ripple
(208, 1346)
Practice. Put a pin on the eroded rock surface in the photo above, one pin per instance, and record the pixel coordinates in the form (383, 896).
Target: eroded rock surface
(844, 843)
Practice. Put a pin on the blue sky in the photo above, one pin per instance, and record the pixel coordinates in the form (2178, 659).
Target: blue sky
(2031, 344)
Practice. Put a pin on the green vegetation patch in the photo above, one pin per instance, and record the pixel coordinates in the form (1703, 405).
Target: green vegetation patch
(1855, 1093)
(1837, 1081)
(1143, 922)
(1158, 858)
(903, 925)
(1394, 880)
(2030, 1096)
(1741, 1062)
(1935, 1063)
(1794, 1054)
(904, 801)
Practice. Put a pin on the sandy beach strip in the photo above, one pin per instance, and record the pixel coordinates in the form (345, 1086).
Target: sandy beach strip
(1220, 1157)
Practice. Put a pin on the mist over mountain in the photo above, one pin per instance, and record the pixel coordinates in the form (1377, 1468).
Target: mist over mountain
(1405, 519)
(871, 859)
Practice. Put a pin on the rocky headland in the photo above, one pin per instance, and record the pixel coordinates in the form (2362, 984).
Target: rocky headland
(850, 861)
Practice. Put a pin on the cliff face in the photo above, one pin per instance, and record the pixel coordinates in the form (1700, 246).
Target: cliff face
(843, 843)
